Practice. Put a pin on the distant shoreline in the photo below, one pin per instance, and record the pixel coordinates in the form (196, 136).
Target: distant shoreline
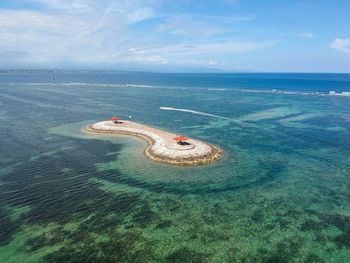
(161, 146)
(82, 70)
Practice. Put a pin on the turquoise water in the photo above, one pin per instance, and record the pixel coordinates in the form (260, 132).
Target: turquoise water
(280, 194)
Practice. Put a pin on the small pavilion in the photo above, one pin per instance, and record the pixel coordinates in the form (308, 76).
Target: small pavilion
(182, 140)
(115, 119)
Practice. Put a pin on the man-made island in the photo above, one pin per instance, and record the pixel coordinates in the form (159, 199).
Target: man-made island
(164, 147)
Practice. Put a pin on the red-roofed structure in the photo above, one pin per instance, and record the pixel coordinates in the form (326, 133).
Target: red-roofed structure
(181, 138)
(115, 119)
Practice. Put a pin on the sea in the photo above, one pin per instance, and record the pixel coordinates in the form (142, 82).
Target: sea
(281, 192)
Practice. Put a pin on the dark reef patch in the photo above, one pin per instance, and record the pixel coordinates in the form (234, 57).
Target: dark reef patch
(258, 216)
(326, 220)
(184, 255)
(285, 251)
(164, 224)
(62, 196)
(52, 194)
(7, 227)
(121, 247)
(144, 215)
(50, 238)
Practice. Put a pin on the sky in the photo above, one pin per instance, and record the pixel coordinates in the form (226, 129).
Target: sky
(176, 35)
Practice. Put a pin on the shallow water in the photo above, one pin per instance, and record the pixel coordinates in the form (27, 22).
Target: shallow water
(280, 194)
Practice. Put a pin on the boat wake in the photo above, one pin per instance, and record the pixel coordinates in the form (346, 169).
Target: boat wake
(195, 112)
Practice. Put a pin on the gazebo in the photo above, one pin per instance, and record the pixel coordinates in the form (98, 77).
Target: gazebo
(115, 119)
(181, 140)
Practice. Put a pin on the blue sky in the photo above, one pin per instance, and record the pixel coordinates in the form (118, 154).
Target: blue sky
(182, 35)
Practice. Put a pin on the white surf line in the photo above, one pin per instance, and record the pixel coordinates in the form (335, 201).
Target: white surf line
(236, 121)
(196, 112)
(71, 84)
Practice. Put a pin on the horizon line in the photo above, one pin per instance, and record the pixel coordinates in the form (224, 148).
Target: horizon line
(2, 70)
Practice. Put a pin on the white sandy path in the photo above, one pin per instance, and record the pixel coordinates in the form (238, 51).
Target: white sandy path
(164, 143)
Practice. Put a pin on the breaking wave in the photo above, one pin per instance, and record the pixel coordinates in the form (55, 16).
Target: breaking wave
(83, 84)
(233, 89)
(305, 93)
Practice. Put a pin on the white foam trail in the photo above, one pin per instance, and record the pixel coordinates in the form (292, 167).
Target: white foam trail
(195, 112)
(238, 122)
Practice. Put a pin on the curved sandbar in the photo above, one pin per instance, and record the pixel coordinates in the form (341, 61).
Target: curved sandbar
(161, 144)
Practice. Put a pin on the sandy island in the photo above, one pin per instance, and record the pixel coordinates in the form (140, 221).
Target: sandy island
(161, 144)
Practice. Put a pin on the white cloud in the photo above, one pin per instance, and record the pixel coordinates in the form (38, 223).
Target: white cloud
(140, 56)
(44, 38)
(72, 32)
(209, 48)
(213, 64)
(77, 33)
(185, 25)
(131, 10)
(202, 26)
(341, 44)
(71, 6)
(212, 55)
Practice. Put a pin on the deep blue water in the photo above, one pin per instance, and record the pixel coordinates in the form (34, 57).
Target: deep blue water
(282, 81)
(280, 193)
